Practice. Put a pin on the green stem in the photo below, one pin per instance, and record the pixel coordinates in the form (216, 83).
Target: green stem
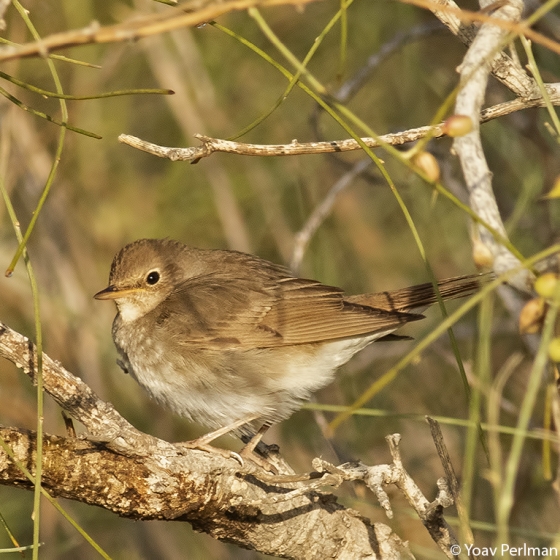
(474, 434)
(38, 332)
(42, 115)
(55, 95)
(505, 502)
(39, 369)
(538, 78)
(437, 332)
(343, 38)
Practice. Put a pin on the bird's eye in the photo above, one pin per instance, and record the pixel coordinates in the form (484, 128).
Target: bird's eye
(153, 277)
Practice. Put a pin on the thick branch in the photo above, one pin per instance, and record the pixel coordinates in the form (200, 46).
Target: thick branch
(139, 476)
(504, 68)
(486, 16)
(218, 501)
(475, 70)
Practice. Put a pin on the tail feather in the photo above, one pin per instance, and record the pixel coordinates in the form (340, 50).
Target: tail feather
(422, 295)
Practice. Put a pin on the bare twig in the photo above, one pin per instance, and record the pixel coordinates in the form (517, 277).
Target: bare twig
(212, 145)
(379, 476)
(443, 454)
(450, 477)
(187, 14)
(321, 211)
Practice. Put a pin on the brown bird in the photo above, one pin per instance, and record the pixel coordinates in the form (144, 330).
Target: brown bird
(237, 343)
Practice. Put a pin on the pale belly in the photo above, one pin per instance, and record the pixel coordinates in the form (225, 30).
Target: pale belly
(218, 387)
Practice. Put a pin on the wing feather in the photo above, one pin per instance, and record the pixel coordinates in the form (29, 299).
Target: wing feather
(243, 312)
(251, 303)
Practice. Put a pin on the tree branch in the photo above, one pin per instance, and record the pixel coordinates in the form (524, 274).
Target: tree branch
(187, 14)
(141, 477)
(294, 148)
(475, 69)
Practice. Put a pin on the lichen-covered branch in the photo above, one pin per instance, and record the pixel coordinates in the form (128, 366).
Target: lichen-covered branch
(138, 476)
(215, 499)
(484, 56)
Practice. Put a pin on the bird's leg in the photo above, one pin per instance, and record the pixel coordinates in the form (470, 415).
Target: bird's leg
(203, 442)
(211, 436)
(249, 449)
(248, 452)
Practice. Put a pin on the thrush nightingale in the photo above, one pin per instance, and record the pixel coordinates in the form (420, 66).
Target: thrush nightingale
(237, 343)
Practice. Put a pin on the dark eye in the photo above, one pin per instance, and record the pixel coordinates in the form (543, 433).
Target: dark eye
(153, 277)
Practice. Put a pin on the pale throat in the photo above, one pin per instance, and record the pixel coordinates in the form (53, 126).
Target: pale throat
(129, 310)
(133, 307)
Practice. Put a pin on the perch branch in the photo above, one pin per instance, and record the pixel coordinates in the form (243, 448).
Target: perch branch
(216, 500)
(141, 477)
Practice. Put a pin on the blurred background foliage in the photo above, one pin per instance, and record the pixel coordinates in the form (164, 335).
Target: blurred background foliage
(106, 194)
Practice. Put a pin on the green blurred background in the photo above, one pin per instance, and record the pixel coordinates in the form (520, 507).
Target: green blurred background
(106, 194)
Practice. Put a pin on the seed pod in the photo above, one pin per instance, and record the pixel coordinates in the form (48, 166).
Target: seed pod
(532, 315)
(428, 164)
(457, 125)
(482, 256)
(545, 285)
(554, 350)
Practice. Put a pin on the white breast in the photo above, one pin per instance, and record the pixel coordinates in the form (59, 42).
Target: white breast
(268, 382)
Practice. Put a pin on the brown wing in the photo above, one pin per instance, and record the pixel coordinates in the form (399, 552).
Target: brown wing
(309, 311)
(266, 311)
(422, 295)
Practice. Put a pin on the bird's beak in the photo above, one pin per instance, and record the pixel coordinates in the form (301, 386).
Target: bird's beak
(112, 292)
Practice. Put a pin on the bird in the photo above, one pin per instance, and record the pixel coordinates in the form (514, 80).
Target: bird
(237, 343)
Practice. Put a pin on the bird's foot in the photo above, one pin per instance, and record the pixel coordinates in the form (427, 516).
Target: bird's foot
(255, 443)
(202, 444)
(246, 454)
(262, 462)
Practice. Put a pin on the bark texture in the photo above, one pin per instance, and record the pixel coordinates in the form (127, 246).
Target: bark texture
(141, 477)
